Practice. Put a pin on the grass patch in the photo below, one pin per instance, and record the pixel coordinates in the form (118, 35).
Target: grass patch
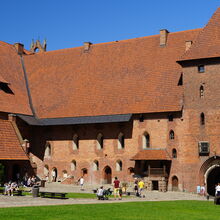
(172, 210)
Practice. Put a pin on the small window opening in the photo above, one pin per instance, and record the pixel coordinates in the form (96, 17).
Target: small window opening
(121, 141)
(174, 153)
(75, 142)
(119, 165)
(100, 141)
(47, 153)
(146, 140)
(201, 91)
(171, 135)
(202, 118)
(180, 82)
(95, 165)
(73, 165)
(201, 68)
(170, 117)
(141, 118)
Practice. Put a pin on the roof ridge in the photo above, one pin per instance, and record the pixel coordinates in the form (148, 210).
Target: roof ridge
(115, 42)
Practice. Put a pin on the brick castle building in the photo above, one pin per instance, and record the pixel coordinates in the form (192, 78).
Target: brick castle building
(146, 107)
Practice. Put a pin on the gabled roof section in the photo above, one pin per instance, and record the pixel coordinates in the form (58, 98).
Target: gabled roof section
(207, 44)
(11, 73)
(10, 147)
(125, 77)
(152, 154)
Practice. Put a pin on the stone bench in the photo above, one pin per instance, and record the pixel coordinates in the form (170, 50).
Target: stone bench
(55, 195)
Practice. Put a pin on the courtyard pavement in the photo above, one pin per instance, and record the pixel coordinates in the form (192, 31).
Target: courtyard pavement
(16, 201)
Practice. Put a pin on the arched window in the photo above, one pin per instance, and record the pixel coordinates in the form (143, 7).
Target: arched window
(174, 153)
(95, 165)
(201, 91)
(202, 118)
(47, 153)
(65, 174)
(146, 140)
(100, 141)
(73, 165)
(119, 165)
(171, 135)
(121, 141)
(75, 142)
(46, 171)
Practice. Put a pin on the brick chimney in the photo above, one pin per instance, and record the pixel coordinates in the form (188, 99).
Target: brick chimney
(87, 46)
(19, 47)
(163, 37)
(188, 45)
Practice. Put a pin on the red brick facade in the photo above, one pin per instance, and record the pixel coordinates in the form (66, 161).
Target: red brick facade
(170, 90)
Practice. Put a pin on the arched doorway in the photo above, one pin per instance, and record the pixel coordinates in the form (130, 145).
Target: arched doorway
(54, 174)
(210, 174)
(175, 183)
(107, 175)
(84, 172)
(213, 178)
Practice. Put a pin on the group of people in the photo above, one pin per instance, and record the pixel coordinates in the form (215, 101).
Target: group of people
(29, 181)
(117, 190)
(201, 190)
(138, 187)
(26, 181)
(10, 187)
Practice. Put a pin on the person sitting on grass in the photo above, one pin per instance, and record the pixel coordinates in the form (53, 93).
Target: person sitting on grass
(100, 193)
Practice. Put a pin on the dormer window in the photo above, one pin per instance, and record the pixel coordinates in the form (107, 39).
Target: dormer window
(201, 68)
(4, 87)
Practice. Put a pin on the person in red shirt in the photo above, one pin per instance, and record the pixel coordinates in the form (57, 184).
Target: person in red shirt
(116, 185)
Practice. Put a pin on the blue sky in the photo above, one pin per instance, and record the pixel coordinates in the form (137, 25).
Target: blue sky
(69, 23)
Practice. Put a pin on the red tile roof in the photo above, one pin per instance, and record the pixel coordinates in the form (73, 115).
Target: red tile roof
(207, 44)
(3, 80)
(152, 154)
(10, 147)
(131, 76)
(11, 72)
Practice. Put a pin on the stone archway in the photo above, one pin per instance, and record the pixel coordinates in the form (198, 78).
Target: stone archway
(210, 174)
(107, 175)
(212, 177)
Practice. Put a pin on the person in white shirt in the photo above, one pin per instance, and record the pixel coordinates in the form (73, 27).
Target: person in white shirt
(217, 190)
(81, 182)
(100, 193)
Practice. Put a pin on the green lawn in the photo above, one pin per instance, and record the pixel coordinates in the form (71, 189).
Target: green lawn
(178, 210)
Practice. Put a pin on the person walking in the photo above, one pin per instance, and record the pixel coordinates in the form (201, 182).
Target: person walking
(140, 187)
(81, 182)
(217, 190)
(116, 185)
